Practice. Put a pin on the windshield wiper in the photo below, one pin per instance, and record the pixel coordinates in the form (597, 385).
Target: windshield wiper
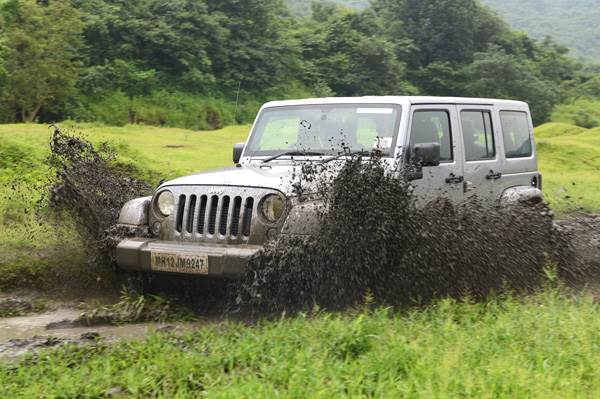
(347, 154)
(292, 153)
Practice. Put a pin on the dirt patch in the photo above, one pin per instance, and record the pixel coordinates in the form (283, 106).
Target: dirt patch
(29, 334)
(15, 306)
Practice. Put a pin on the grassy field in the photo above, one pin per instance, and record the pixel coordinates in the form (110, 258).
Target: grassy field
(584, 111)
(542, 346)
(569, 158)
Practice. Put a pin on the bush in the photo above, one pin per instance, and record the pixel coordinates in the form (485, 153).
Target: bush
(585, 120)
(112, 109)
(163, 108)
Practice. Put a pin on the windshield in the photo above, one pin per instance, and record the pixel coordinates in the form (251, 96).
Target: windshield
(325, 129)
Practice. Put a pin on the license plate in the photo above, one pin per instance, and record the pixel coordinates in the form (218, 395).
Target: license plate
(173, 263)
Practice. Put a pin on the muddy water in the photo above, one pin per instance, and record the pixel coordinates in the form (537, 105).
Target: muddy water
(20, 335)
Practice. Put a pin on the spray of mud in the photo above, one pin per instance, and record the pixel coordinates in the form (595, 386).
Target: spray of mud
(92, 190)
(88, 186)
(372, 239)
(374, 242)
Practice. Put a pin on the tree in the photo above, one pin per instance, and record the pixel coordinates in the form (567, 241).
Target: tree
(42, 55)
(500, 75)
(132, 44)
(260, 51)
(344, 49)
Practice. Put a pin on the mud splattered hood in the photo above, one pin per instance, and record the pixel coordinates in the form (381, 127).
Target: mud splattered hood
(277, 176)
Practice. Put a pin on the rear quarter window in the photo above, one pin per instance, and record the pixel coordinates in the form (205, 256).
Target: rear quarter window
(516, 134)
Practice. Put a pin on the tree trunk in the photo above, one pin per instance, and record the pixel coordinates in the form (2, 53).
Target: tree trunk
(33, 113)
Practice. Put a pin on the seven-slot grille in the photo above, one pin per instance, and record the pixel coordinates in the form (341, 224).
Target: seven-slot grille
(209, 215)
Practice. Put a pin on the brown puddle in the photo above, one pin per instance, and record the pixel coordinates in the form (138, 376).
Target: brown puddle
(21, 335)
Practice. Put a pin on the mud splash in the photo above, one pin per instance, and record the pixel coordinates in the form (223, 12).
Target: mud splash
(90, 188)
(374, 242)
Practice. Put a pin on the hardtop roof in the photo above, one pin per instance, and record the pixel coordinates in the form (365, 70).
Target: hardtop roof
(402, 100)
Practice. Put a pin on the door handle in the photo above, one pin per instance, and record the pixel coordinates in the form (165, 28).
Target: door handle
(453, 179)
(493, 176)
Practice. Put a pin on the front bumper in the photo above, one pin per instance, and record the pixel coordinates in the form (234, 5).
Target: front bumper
(224, 261)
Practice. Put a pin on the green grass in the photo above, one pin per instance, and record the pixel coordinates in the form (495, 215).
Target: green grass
(542, 346)
(570, 113)
(569, 158)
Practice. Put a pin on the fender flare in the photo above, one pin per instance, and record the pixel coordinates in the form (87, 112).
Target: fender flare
(135, 212)
(303, 219)
(522, 194)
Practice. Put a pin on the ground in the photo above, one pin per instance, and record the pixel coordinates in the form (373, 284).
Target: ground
(540, 345)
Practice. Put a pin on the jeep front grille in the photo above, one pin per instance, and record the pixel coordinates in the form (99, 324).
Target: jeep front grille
(214, 215)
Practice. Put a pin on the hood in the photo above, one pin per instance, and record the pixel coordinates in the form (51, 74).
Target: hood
(275, 176)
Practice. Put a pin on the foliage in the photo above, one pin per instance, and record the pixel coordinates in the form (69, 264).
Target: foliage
(303, 7)
(583, 109)
(545, 345)
(203, 64)
(573, 23)
(344, 52)
(42, 55)
(498, 74)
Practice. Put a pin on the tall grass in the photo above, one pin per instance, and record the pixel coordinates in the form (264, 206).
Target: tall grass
(544, 346)
(162, 108)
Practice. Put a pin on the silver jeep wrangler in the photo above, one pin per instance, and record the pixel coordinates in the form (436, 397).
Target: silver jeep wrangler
(212, 223)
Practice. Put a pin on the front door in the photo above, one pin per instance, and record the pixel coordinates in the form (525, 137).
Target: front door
(482, 163)
(438, 124)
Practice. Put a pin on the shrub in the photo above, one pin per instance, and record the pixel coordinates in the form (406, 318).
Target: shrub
(112, 109)
(585, 120)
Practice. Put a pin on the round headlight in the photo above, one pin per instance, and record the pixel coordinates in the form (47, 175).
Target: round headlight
(272, 207)
(165, 203)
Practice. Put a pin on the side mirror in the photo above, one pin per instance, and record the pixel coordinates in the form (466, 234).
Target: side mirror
(423, 154)
(238, 149)
(427, 154)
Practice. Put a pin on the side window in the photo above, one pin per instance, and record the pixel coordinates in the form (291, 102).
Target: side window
(517, 137)
(432, 127)
(478, 135)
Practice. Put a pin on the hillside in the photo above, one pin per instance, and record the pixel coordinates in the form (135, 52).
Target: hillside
(572, 23)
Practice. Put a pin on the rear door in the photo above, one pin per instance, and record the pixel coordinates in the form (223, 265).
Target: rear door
(518, 147)
(482, 161)
(438, 123)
